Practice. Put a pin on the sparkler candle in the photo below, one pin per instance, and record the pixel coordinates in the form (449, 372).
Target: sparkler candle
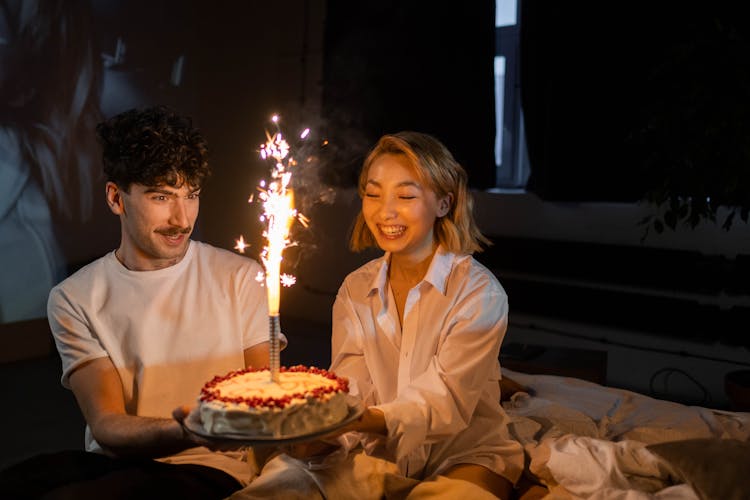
(278, 215)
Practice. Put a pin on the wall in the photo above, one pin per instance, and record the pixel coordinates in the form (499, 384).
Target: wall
(637, 357)
(662, 364)
(229, 65)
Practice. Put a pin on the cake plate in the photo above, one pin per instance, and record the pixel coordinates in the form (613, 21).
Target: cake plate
(193, 425)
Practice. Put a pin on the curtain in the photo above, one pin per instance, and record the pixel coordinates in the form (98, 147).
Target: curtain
(419, 65)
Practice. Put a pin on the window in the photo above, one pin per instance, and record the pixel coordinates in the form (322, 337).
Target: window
(511, 158)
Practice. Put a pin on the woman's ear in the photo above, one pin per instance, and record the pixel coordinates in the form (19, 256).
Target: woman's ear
(114, 198)
(444, 205)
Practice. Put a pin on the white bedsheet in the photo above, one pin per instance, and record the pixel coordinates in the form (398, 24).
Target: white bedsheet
(584, 440)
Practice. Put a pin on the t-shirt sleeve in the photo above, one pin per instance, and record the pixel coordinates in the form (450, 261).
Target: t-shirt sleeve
(253, 302)
(74, 339)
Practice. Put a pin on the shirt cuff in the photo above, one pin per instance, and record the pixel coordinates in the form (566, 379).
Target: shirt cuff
(407, 427)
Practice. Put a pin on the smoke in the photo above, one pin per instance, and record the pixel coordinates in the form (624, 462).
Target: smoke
(325, 162)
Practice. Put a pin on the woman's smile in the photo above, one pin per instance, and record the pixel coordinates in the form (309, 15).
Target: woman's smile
(391, 231)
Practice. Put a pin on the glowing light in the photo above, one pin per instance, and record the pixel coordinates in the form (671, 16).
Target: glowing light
(241, 245)
(278, 212)
(278, 216)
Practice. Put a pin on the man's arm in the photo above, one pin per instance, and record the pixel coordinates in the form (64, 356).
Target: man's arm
(98, 390)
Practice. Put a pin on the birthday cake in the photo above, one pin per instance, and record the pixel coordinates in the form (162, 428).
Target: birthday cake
(246, 402)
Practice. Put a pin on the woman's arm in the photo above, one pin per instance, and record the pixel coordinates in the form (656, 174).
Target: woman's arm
(347, 353)
(440, 401)
(347, 361)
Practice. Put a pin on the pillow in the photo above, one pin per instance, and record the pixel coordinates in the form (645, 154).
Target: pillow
(714, 468)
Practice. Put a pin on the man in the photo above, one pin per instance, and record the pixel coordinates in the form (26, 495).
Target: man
(141, 329)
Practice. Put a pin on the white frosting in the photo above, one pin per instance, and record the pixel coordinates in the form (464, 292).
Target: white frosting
(306, 413)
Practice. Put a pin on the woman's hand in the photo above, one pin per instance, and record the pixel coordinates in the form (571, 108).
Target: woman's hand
(371, 421)
(309, 449)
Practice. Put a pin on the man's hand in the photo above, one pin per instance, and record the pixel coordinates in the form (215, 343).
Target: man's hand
(98, 390)
(184, 413)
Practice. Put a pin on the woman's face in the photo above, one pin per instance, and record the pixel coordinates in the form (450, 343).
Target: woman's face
(400, 211)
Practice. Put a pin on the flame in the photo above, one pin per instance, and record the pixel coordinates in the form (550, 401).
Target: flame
(278, 216)
(241, 245)
(278, 213)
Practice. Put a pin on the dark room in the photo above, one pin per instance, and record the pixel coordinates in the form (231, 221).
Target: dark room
(508, 239)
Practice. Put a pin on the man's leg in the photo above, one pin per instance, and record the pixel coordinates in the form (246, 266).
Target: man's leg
(80, 475)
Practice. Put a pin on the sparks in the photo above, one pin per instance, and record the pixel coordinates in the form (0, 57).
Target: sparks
(278, 216)
(241, 245)
(278, 212)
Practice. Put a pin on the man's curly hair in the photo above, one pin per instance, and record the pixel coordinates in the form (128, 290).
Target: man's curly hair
(153, 146)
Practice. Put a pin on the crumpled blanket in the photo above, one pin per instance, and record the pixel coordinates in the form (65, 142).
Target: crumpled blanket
(587, 441)
(357, 476)
(581, 441)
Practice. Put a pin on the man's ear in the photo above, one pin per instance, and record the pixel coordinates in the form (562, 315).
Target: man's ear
(444, 205)
(114, 198)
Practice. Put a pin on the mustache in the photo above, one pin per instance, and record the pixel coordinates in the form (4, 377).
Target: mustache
(174, 231)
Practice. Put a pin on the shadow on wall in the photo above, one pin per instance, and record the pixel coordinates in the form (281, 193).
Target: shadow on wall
(63, 71)
(50, 90)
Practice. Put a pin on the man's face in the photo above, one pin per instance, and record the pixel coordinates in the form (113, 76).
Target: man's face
(156, 223)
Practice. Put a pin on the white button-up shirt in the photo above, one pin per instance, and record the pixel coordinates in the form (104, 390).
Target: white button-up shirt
(436, 376)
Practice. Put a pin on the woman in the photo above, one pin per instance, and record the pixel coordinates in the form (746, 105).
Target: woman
(418, 330)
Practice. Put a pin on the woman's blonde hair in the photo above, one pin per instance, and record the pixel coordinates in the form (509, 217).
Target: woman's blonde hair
(438, 171)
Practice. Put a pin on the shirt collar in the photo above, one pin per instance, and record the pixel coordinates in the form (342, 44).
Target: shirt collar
(380, 278)
(440, 268)
(437, 273)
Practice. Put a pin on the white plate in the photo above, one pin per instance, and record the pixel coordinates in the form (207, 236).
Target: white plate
(194, 425)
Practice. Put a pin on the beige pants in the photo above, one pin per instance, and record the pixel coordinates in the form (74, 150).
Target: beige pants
(357, 477)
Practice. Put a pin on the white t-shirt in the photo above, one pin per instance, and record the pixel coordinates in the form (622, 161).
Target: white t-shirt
(166, 331)
(436, 378)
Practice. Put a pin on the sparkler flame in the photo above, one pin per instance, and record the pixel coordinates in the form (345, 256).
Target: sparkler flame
(241, 245)
(278, 215)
